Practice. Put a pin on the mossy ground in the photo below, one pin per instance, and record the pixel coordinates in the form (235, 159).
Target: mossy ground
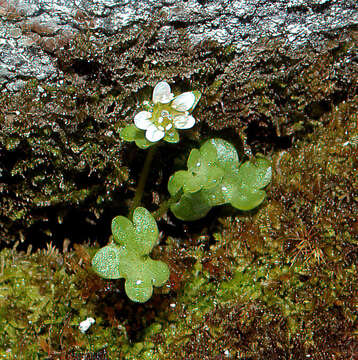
(276, 283)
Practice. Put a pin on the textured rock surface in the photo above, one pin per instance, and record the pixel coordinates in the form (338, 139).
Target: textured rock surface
(65, 173)
(30, 31)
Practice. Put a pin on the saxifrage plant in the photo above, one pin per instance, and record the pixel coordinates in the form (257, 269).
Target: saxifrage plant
(214, 176)
(128, 256)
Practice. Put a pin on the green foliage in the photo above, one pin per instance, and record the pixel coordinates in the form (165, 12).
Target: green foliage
(132, 133)
(128, 256)
(216, 177)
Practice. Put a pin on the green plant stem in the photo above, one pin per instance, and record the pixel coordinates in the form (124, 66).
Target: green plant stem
(142, 180)
(165, 205)
(163, 208)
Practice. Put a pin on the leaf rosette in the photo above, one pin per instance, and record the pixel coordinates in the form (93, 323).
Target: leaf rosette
(128, 256)
(214, 177)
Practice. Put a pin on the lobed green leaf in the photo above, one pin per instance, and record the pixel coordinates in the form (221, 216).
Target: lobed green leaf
(129, 259)
(255, 174)
(138, 290)
(123, 230)
(146, 230)
(191, 207)
(106, 262)
(176, 182)
(215, 177)
(226, 156)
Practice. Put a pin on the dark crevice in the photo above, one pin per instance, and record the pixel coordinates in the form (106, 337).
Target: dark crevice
(78, 224)
(263, 137)
(85, 67)
(90, 69)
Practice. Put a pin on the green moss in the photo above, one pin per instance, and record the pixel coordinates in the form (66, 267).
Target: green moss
(292, 292)
(44, 297)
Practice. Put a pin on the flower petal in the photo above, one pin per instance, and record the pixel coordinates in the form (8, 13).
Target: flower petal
(153, 134)
(184, 122)
(141, 120)
(162, 93)
(184, 101)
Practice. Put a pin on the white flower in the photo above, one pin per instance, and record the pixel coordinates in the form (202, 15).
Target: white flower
(86, 324)
(167, 113)
(162, 93)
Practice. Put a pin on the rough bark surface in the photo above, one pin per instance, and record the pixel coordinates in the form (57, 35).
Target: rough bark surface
(74, 73)
(30, 31)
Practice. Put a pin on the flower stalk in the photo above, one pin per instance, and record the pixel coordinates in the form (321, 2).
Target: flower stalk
(142, 180)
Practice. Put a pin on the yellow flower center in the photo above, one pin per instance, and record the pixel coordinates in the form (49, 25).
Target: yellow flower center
(165, 121)
(162, 117)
